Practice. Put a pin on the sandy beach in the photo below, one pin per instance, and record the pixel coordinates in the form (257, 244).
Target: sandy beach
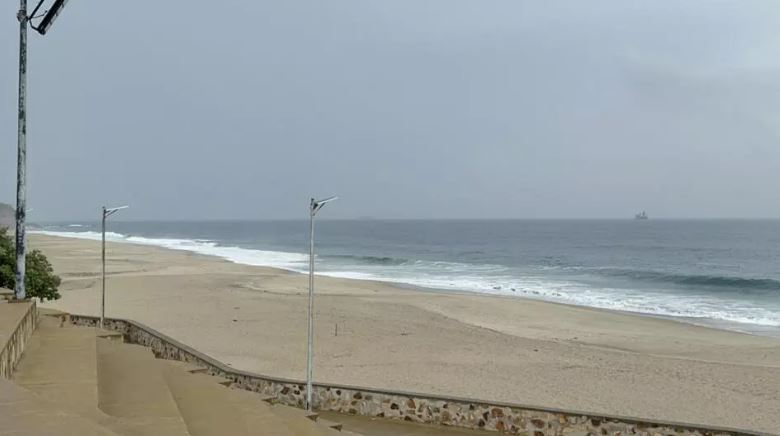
(487, 347)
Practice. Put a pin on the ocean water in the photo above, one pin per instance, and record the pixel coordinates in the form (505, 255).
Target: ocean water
(712, 272)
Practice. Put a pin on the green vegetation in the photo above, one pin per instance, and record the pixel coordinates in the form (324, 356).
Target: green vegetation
(41, 280)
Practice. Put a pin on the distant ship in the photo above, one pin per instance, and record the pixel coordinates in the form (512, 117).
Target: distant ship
(641, 216)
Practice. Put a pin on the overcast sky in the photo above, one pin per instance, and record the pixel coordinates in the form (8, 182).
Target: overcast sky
(404, 108)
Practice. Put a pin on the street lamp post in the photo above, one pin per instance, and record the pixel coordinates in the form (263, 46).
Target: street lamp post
(314, 207)
(106, 213)
(49, 16)
(21, 159)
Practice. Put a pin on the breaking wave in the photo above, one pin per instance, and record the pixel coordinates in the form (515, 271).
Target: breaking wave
(502, 280)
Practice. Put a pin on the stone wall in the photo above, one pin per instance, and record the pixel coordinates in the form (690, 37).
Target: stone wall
(458, 412)
(13, 344)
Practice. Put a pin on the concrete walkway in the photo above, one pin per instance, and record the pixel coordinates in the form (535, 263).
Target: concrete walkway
(26, 414)
(74, 380)
(59, 364)
(84, 381)
(131, 386)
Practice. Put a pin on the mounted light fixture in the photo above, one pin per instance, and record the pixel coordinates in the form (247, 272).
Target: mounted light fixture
(49, 16)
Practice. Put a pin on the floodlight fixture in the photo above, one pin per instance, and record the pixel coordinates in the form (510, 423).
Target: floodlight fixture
(113, 210)
(49, 16)
(316, 205)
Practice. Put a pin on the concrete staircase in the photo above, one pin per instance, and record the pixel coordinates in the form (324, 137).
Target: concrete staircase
(84, 381)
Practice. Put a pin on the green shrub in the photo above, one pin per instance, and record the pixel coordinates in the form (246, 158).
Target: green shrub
(41, 281)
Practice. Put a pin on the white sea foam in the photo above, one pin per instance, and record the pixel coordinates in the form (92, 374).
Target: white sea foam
(488, 279)
(276, 259)
(651, 303)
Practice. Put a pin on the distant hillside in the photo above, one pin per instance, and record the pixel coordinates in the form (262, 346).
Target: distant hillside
(7, 213)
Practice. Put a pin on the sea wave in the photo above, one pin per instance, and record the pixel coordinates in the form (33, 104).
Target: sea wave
(690, 307)
(276, 259)
(499, 280)
(730, 283)
(371, 260)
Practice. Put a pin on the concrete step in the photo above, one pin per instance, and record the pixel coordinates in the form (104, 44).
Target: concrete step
(62, 317)
(202, 372)
(302, 421)
(132, 387)
(207, 407)
(109, 334)
(6, 294)
(59, 364)
(255, 406)
(212, 410)
(258, 412)
(270, 399)
(102, 386)
(23, 413)
(330, 424)
(186, 366)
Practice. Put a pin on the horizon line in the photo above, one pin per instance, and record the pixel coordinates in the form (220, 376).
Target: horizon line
(671, 218)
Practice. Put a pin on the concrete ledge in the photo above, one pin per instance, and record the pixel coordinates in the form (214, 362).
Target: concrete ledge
(516, 419)
(6, 294)
(16, 327)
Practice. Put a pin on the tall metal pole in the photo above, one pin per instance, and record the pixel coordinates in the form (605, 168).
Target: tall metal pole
(309, 355)
(103, 259)
(21, 161)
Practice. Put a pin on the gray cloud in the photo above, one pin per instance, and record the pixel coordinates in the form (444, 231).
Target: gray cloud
(405, 109)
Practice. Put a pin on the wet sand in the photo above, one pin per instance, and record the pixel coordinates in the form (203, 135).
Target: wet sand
(487, 347)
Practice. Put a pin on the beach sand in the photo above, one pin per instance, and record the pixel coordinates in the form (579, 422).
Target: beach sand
(468, 345)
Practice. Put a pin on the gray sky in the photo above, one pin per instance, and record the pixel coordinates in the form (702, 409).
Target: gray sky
(404, 108)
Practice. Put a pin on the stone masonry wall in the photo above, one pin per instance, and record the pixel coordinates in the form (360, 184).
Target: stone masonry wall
(458, 412)
(14, 345)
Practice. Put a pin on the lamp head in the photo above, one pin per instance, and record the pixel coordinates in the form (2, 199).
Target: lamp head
(110, 211)
(316, 205)
(51, 15)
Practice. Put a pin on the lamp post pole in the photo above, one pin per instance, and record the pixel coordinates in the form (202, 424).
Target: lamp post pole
(314, 207)
(103, 274)
(20, 292)
(106, 213)
(21, 161)
(310, 351)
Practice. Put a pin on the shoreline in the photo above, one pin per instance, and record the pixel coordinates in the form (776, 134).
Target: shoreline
(718, 324)
(707, 323)
(504, 349)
